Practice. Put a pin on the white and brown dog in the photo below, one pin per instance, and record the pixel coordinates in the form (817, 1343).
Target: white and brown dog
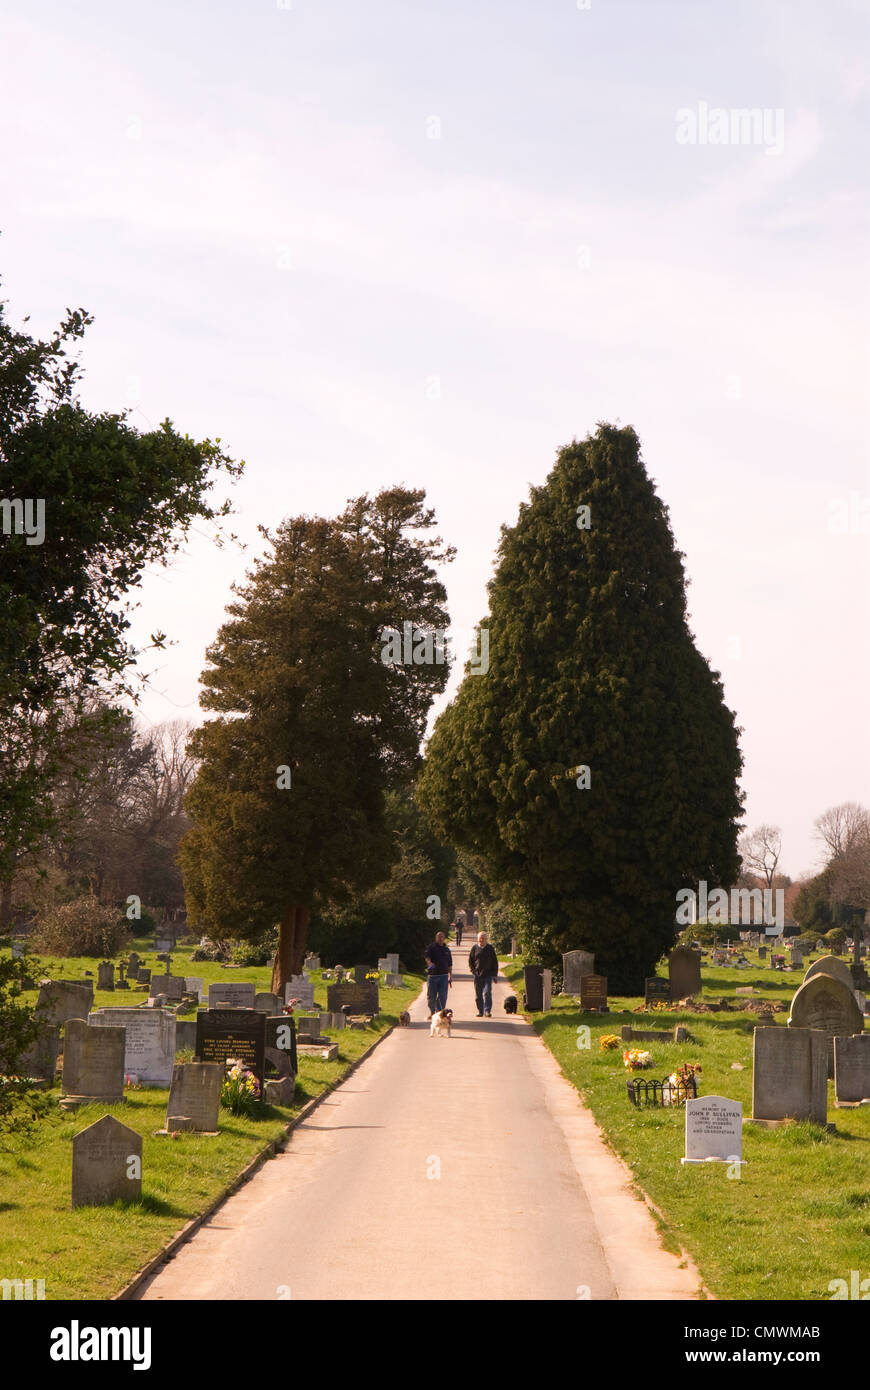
(440, 1025)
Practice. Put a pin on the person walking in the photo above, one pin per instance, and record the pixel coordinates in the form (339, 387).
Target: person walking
(483, 963)
(460, 923)
(439, 973)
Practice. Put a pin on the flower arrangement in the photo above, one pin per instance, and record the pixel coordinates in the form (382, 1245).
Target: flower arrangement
(372, 975)
(291, 1005)
(636, 1060)
(241, 1091)
(608, 1041)
(678, 1081)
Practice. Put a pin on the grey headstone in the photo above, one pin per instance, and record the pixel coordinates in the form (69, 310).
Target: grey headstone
(280, 1090)
(266, 1003)
(105, 975)
(852, 1068)
(195, 1096)
(714, 1129)
(193, 984)
(232, 994)
(173, 986)
(684, 972)
(335, 1021)
(824, 1003)
(392, 981)
(106, 1164)
(546, 990)
(789, 1074)
(40, 1059)
(392, 959)
(311, 963)
(133, 966)
(281, 1044)
(830, 965)
(144, 975)
(149, 1042)
(298, 987)
(762, 953)
(185, 1035)
(93, 1062)
(576, 964)
(61, 1000)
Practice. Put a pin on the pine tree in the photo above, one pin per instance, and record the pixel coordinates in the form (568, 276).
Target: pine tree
(313, 727)
(595, 766)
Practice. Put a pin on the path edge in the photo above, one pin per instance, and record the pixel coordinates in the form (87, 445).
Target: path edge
(129, 1291)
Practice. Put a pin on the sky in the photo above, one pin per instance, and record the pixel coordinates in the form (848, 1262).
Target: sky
(432, 243)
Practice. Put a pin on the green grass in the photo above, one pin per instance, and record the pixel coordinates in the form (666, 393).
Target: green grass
(798, 1217)
(93, 1252)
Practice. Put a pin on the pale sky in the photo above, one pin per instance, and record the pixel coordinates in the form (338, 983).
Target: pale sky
(405, 242)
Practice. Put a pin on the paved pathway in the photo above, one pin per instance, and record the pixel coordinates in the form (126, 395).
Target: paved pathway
(441, 1169)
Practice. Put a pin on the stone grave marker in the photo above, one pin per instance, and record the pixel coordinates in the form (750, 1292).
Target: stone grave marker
(185, 1035)
(656, 990)
(546, 990)
(593, 993)
(223, 1033)
(336, 1021)
(298, 987)
(824, 1003)
(829, 965)
(61, 1000)
(363, 999)
(852, 1069)
(714, 1130)
(193, 984)
(164, 943)
(39, 1062)
(280, 1045)
(789, 1074)
(533, 986)
(232, 994)
(360, 972)
(576, 964)
(195, 1096)
(106, 1164)
(392, 959)
(392, 981)
(133, 965)
(762, 953)
(105, 975)
(684, 972)
(311, 1024)
(266, 1003)
(93, 1064)
(149, 1042)
(311, 962)
(173, 986)
(144, 977)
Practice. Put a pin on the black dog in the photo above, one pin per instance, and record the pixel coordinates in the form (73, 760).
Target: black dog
(510, 1004)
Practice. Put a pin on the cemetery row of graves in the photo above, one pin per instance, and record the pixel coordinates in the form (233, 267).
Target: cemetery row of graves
(743, 1109)
(158, 1087)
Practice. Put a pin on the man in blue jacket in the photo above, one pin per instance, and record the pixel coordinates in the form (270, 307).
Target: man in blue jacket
(439, 970)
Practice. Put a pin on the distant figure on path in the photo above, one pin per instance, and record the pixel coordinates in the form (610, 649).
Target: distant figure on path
(460, 923)
(483, 962)
(439, 969)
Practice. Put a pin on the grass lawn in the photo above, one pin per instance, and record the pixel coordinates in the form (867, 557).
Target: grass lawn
(800, 1214)
(93, 1252)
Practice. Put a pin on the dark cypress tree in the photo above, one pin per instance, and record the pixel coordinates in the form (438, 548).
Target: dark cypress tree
(592, 666)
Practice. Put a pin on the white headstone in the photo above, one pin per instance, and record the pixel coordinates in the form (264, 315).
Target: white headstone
(714, 1130)
(149, 1041)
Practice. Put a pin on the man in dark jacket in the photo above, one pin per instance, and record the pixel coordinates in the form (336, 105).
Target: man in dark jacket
(483, 963)
(439, 971)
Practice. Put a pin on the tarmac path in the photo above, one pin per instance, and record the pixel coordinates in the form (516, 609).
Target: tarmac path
(461, 1168)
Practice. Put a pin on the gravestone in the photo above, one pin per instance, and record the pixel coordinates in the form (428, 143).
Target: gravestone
(684, 972)
(106, 1164)
(185, 1035)
(852, 1069)
(280, 1044)
(714, 1130)
(576, 964)
(39, 1062)
(310, 1024)
(835, 969)
(105, 975)
(149, 1042)
(195, 1096)
(173, 986)
(232, 994)
(546, 990)
(122, 971)
(593, 993)
(795, 958)
(144, 976)
(789, 1074)
(383, 965)
(762, 953)
(362, 999)
(311, 963)
(392, 959)
(193, 984)
(533, 985)
(392, 981)
(223, 1033)
(266, 1003)
(360, 972)
(164, 943)
(298, 987)
(656, 990)
(61, 1000)
(133, 966)
(93, 1064)
(824, 1003)
(336, 1021)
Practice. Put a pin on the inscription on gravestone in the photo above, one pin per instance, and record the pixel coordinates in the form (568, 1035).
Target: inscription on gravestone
(223, 1033)
(106, 1164)
(593, 993)
(149, 1041)
(714, 1130)
(656, 990)
(233, 994)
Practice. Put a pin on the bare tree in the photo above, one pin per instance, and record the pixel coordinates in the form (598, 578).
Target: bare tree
(760, 851)
(843, 827)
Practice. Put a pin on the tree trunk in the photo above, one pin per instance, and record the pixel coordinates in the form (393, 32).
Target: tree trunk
(291, 947)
